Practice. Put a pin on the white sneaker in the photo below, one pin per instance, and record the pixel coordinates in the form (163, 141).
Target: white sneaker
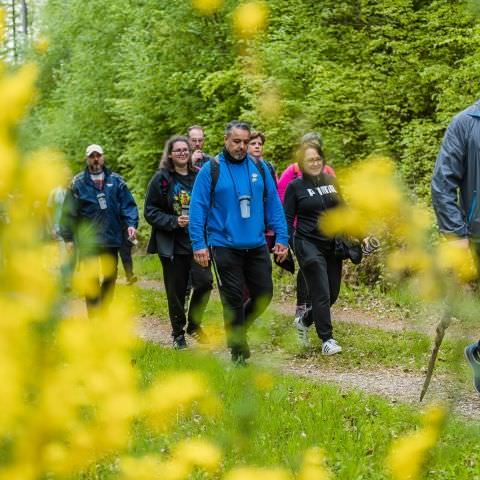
(302, 332)
(331, 347)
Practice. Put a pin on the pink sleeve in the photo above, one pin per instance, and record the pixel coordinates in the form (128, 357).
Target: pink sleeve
(287, 176)
(329, 170)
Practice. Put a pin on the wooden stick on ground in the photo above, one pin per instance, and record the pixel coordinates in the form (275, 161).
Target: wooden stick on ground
(440, 333)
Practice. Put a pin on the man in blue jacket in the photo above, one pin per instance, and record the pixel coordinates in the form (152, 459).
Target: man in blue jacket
(98, 208)
(227, 226)
(456, 191)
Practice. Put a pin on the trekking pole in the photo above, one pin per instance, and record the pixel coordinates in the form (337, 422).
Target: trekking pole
(214, 265)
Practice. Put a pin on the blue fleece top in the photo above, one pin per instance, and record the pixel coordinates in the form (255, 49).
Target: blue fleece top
(224, 224)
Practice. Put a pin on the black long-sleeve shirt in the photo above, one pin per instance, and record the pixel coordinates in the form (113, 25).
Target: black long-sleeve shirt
(307, 199)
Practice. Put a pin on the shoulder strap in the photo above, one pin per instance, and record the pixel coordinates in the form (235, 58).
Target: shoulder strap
(214, 173)
(261, 168)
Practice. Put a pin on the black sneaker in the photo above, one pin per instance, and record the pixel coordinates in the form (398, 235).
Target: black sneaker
(238, 359)
(471, 354)
(179, 342)
(131, 280)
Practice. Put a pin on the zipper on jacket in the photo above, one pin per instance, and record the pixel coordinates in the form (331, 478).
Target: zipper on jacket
(473, 207)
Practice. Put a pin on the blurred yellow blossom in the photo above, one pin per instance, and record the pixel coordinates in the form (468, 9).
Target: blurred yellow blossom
(42, 172)
(198, 453)
(454, 257)
(41, 44)
(408, 454)
(257, 473)
(250, 18)
(207, 7)
(263, 381)
(313, 466)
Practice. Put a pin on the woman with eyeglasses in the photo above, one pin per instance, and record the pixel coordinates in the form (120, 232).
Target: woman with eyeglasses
(167, 210)
(306, 199)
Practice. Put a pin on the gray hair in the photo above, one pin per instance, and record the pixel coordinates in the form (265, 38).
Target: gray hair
(312, 137)
(237, 124)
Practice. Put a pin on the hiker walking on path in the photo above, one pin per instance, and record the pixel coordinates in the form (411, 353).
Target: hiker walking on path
(456, 192)
(196, 139)
(233, 202)
(167, 204)
(306, 199)
(98, 207)
(292, 172)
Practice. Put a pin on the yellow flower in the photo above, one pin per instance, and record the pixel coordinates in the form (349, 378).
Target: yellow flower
(42, 172)
(41, 44)
(263, 381)
(453, 256)
(250, 18)
(256, 473)
(207, 7)
(408, 454)
(198, 453)
(313, 467)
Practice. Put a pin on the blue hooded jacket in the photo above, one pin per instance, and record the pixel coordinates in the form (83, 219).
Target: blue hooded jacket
(104, 227)
(222, 221)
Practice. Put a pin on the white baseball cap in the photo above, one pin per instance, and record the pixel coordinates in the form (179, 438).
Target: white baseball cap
(94, 148)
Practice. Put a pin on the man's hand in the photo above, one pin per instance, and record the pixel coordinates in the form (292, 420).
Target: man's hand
(132, 233)
(202, 257)
(183, 220)
(197, 155)
(280, 251)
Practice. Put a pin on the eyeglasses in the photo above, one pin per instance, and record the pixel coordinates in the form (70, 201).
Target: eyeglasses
(314, 161)
(182, 151)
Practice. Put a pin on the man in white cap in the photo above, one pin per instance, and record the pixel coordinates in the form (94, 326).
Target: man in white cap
(97, 210)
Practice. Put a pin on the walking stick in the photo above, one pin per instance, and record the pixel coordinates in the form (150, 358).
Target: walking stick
(440, 333)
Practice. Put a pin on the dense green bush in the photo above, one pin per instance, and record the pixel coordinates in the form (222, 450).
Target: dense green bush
(371, 76)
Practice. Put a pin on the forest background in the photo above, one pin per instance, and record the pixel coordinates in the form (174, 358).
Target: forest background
(371, 76)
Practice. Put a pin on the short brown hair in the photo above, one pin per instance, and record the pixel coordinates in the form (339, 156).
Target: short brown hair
(257, 134)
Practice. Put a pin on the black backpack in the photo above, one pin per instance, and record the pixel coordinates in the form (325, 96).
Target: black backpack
(215, 173)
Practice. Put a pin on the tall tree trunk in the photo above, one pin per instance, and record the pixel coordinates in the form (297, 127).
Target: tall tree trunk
(25, 20)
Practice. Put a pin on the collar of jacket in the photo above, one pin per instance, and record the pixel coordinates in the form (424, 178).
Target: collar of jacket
(106, 171)
(475, 112)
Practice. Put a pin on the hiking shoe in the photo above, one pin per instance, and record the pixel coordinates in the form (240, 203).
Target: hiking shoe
(199, 335)
(331, 347)
(179, 342)
(471, 354)
(239, 359)
(302, 331)
(131, 280)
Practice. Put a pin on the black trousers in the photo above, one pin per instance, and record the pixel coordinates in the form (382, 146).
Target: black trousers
(176, 273)
(106, 279)
(303, 296)
(323, 274)
(238, 270)
(125, 252)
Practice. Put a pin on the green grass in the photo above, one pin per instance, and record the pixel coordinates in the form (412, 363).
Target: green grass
(365, 347)
(273, 428)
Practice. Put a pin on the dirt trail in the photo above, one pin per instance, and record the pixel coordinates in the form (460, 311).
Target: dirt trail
(394, 385)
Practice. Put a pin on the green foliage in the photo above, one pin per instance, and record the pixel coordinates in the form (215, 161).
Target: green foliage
(371, 76)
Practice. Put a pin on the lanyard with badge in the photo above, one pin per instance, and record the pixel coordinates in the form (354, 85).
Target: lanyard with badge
(244, 200)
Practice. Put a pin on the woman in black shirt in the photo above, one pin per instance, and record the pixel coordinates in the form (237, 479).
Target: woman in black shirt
(306, 200)
(167, 211)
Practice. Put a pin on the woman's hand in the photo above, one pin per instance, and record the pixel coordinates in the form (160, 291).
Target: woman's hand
(183, 220)
(280, 251)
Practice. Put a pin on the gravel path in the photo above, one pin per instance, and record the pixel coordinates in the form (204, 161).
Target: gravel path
(394, 385)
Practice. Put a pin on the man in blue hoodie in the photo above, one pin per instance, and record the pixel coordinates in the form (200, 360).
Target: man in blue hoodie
(228, 223)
